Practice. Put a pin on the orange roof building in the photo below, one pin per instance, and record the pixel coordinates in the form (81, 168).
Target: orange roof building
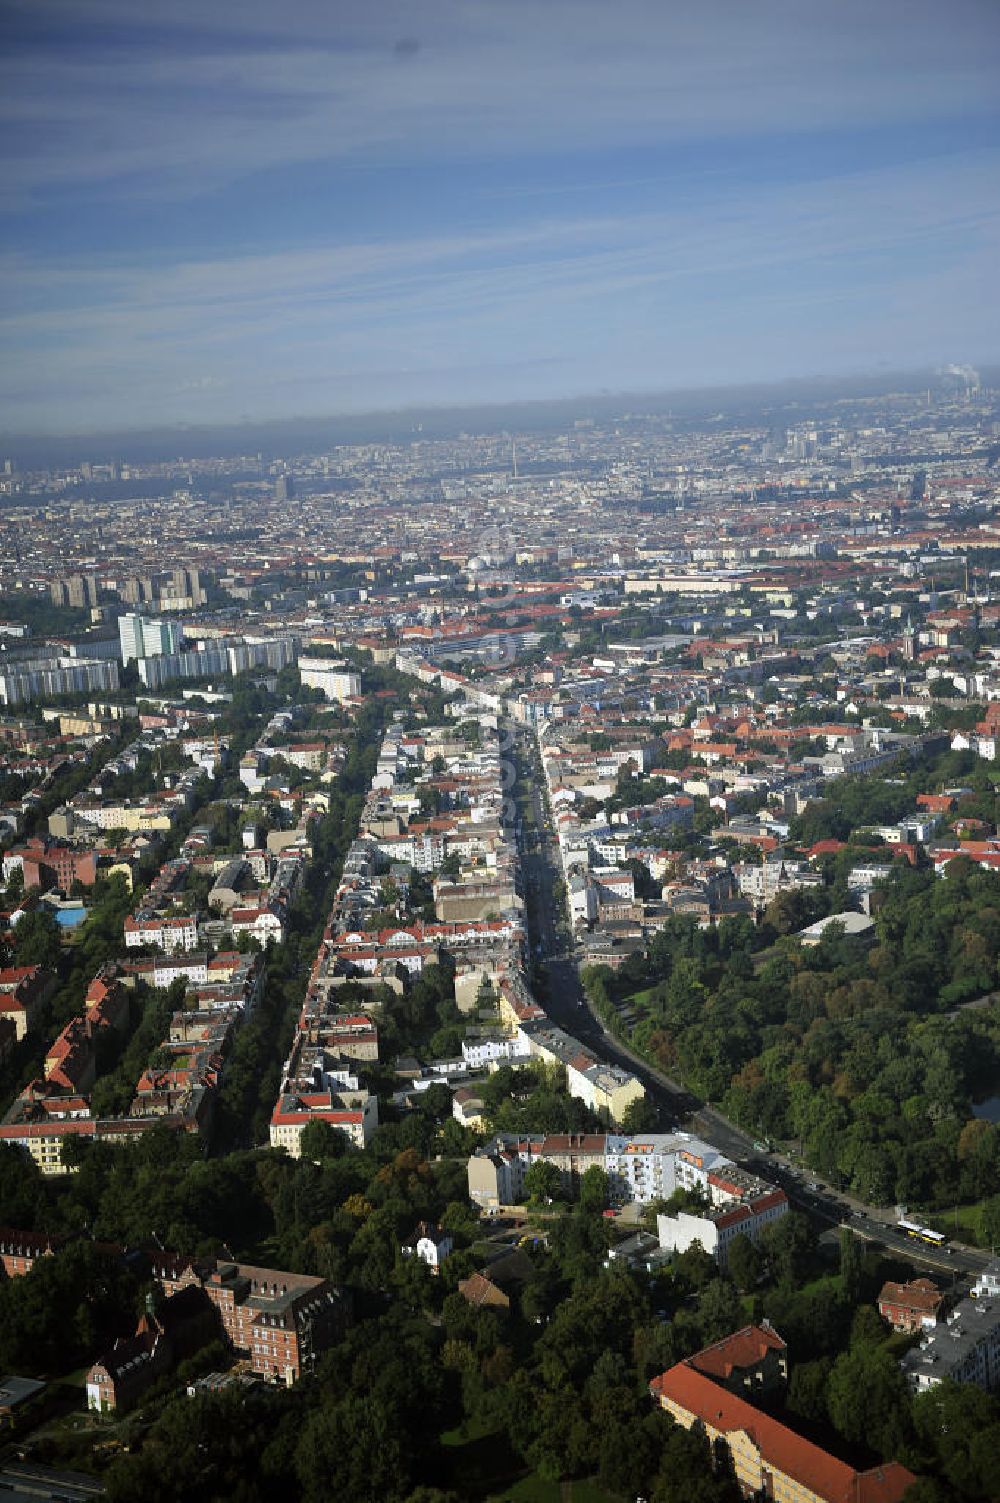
(752, 1361)
(769, 1458)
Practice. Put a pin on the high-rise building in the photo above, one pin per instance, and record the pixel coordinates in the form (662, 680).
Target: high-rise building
(137, 589)
(186, 583)
(81, 591)
(29, 682)
(131, 634)
(161, 636)
(145, 638)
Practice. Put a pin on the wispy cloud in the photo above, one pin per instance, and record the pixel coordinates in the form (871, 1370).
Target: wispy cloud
(647, 297)
(211, 94)
(605, 252)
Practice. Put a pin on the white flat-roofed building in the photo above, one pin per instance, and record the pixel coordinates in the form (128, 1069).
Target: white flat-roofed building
(964, 1348)
(354, 1113)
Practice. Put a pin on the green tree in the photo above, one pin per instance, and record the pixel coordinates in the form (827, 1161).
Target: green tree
(594, 1190)
(788, 1244)
(746, 1262)
(851, 1263)
(690, 1471)
(350, 1452)
(868, 1400)
(321, 1141)
(639, 1116)
(927, 1490)
(807, 1389)
(959, 1426)
(720, 1310)
(989, 1222)
(542, 1181)
(38, 940)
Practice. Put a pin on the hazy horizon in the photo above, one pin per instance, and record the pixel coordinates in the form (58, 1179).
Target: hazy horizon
(311, 432)
(248, 212)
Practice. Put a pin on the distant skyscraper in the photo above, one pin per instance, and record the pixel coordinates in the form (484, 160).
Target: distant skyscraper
(81, 591)
(284, 488)
(186, 581)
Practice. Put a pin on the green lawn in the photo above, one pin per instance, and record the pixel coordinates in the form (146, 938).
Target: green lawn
(638, 999)
(479, 1461)
(529, 1490)
(472, 1430)
(482, 1465)
(962, 1224)
(534, 1490)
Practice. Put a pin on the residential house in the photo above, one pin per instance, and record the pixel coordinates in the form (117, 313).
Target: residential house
(430, 1244)
(479, 1290)
(467, 1107)
(915, 1306)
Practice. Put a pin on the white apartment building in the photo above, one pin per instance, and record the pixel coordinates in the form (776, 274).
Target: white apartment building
(643, 1168)
(180, 933)
(143, 637)
(332, 676)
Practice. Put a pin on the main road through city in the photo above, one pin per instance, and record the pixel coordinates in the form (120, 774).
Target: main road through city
(562, 995)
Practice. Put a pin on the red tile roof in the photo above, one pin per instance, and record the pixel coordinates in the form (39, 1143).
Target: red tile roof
(781, 1448)
(921, 1296)
(743, 1349)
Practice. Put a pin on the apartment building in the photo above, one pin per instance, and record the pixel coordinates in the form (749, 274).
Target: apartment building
(646, 1168)
(604, 1087)
(144, 637)
(48, 863)
(740, 1203)
(179, 933)
(37, 680)
(332, 676)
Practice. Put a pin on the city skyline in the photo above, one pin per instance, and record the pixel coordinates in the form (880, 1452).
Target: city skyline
(224, 221)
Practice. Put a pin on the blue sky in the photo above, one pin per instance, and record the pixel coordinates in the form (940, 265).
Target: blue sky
(217, 211)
